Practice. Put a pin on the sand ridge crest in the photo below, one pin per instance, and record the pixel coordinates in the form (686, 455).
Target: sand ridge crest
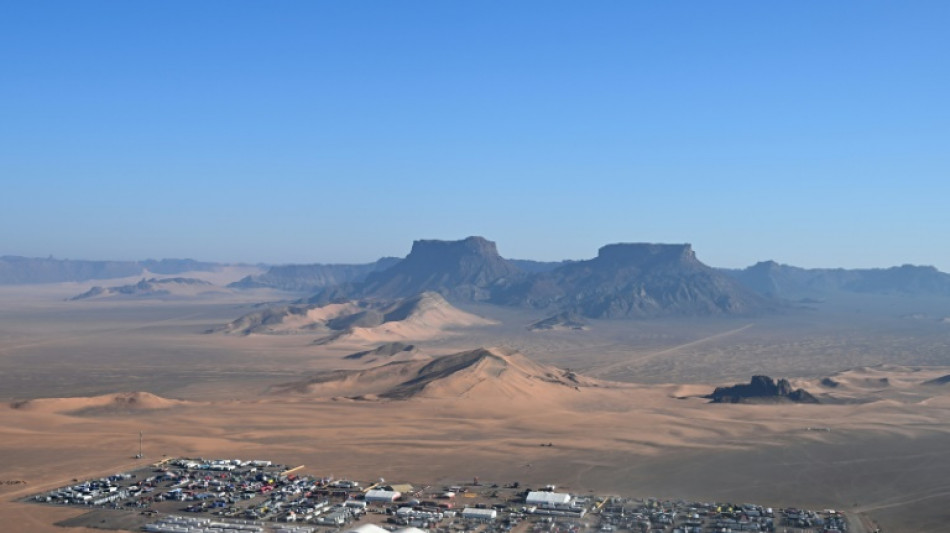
(482, 373)
(869, 384)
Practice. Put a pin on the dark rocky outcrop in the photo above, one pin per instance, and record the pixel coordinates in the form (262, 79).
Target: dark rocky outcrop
(761, 389)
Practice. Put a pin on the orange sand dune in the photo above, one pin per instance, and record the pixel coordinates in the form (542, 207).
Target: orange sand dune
(125, 401)
(476, 374)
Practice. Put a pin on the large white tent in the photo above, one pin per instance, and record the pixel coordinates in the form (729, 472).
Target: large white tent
(548, 499)
(382, 496)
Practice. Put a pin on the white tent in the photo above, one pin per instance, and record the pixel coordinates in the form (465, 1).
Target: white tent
(479, 514)
(387, 496)
(548, 499)
(367, 528)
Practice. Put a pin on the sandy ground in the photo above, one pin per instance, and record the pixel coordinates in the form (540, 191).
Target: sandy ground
(885, 454)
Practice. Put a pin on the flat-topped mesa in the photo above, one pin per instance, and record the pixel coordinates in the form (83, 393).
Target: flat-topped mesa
(641, 253)
(442, 250)
(462, 269)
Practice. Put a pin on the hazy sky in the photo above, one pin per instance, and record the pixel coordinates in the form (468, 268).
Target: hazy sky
(814, 133)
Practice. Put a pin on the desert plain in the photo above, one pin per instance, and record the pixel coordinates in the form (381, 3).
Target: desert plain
(620, 401)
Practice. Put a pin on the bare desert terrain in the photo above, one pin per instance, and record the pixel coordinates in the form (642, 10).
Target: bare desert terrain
(620, 401)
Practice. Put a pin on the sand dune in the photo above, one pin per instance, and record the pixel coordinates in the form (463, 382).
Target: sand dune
(362, 322)
(424, 317)
(349, 383)
(108, 403)
(475, 374)
(893, 383)
(689, 391)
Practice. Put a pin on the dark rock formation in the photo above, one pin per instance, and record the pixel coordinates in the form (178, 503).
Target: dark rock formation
(762, 389)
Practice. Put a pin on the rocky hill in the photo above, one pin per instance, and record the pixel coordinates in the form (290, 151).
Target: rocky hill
(794, 283)
(761, 389)
(153, 287)
(635, 281)
(311, 278)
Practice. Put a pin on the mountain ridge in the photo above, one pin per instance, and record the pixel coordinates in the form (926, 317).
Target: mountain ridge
(636, 280)
(18, 270)
(312, 277)
(791, 282)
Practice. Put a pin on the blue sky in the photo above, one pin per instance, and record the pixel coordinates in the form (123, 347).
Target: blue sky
(813, 133)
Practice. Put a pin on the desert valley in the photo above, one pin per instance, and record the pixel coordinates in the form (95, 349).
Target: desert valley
(474, 267)
(611, 375)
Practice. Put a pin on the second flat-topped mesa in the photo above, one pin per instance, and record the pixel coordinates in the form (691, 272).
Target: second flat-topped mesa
(646, 253)
(635, 280)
